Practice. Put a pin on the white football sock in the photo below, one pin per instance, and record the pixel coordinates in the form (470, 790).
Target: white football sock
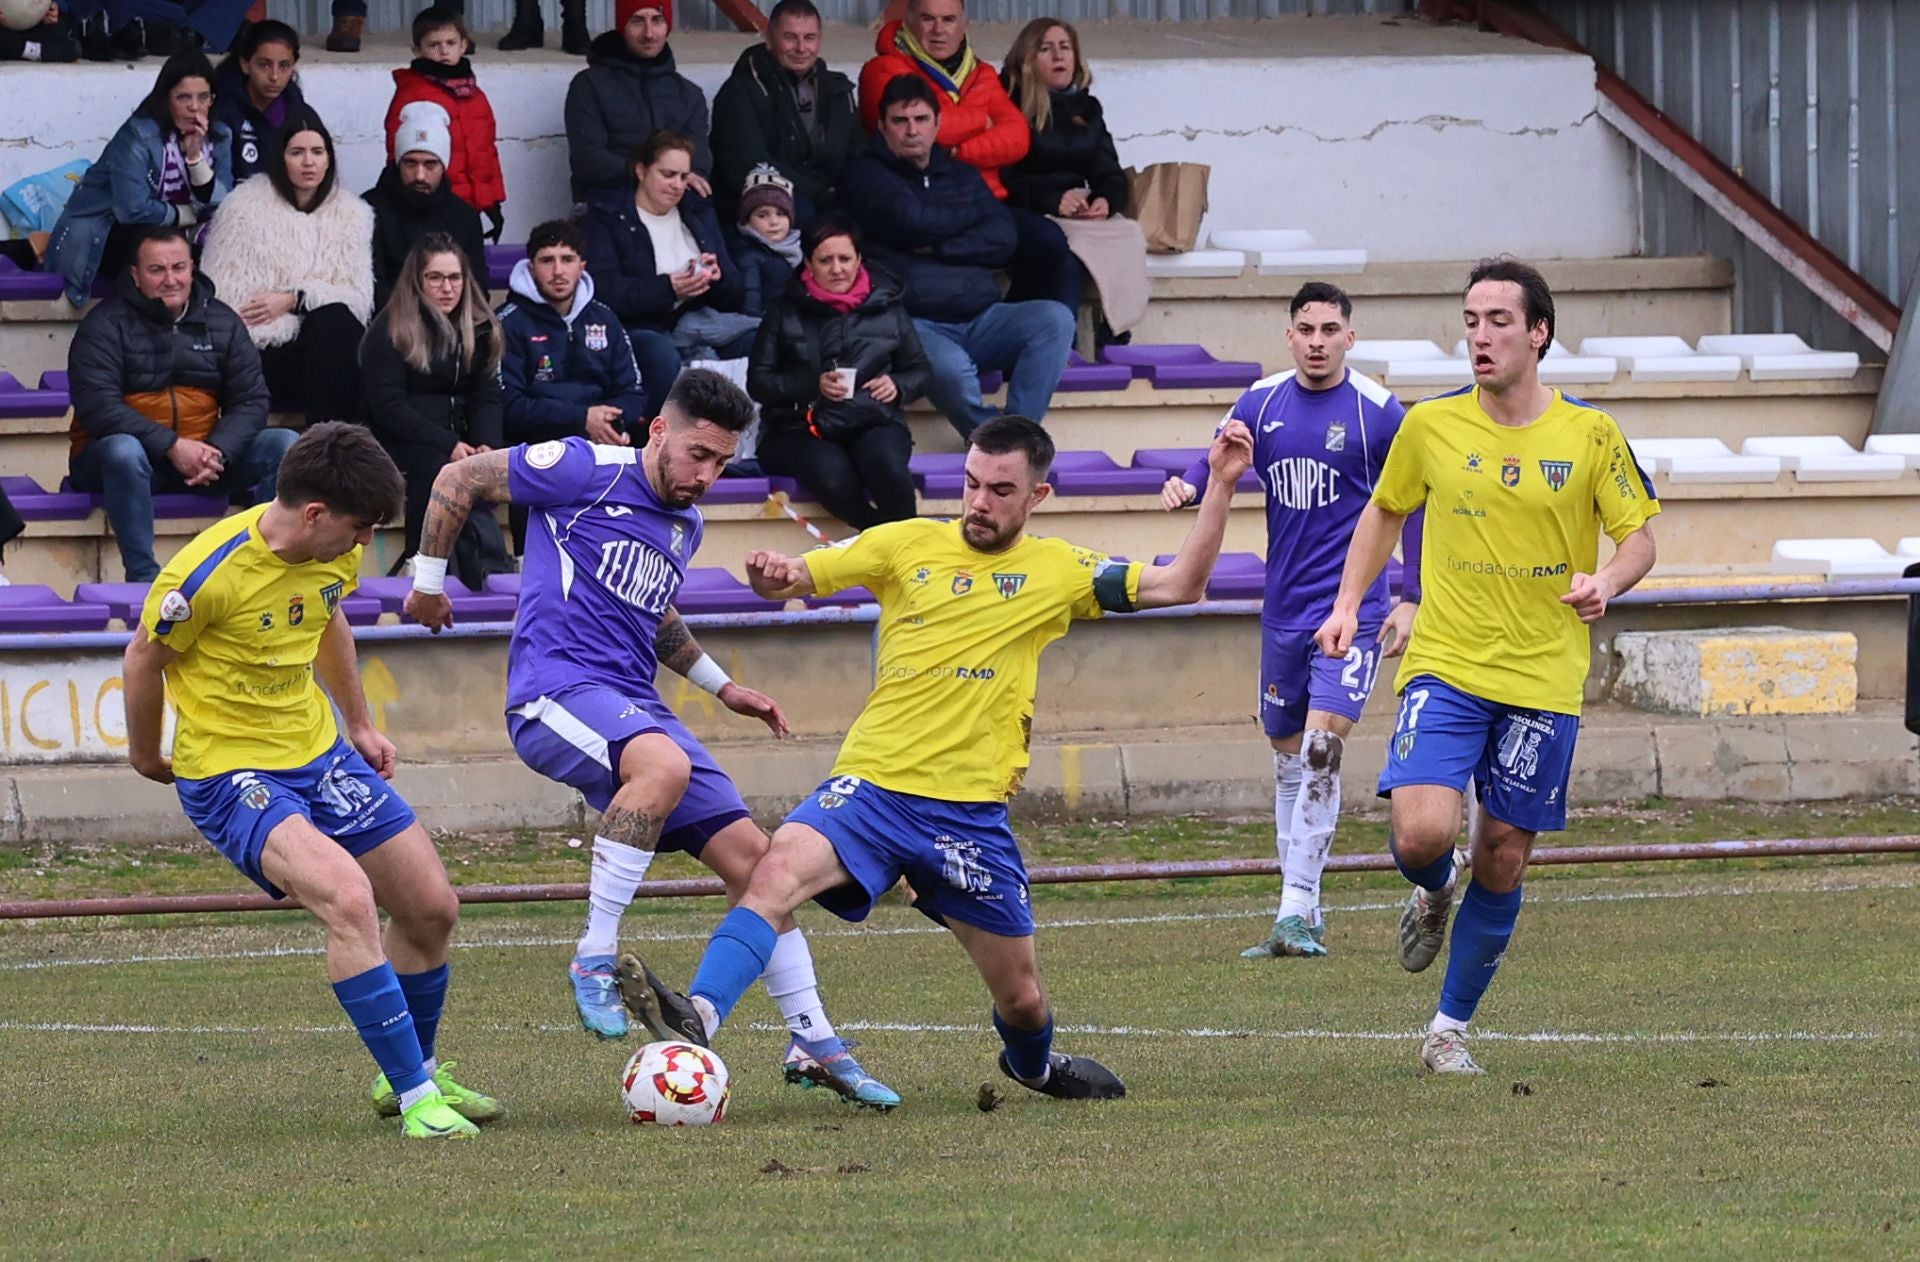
(790, 980)
(709, 1015)
(410, 1098)
(431, 1064)
(1315, 811)
(1286, 787)
(1442, 1024)
(618, 870)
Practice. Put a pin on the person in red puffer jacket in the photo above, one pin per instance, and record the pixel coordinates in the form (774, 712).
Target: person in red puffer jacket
(441, 73)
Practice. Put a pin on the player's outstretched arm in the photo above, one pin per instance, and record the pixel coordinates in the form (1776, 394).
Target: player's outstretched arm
(1631, 560)
(776, 576)
(1367, 555)
(1184, 579)
(144, 690)
(338, 665)
(676, 649)
(459, 485)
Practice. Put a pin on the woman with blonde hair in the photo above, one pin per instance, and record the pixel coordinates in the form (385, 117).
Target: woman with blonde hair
(1072, 171)
(429, 367)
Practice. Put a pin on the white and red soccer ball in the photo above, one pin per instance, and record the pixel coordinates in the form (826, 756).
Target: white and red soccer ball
(675, 1084)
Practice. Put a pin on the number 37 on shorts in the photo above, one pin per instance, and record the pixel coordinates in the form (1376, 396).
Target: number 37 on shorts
(1520, 758)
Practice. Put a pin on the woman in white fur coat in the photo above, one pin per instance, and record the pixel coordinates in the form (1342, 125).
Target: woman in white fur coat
(292, 252)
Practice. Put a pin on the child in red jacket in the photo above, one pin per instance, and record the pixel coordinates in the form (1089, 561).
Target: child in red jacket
(442, 74)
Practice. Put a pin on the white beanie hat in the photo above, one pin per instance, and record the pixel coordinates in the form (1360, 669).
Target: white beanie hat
(424, 128)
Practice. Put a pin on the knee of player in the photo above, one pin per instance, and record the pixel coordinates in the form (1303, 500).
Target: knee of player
(344, 903)
(434, 916)
(1024, 1004)
(1321, 751)
(658, 766)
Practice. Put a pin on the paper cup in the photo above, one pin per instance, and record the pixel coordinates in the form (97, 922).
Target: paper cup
(848, 378)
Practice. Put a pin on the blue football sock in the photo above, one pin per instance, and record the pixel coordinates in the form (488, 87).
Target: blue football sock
(1026, 1049)
(736, 955)
(1481, 932)
(1432, 876)
(378, 1009)
(426, 996)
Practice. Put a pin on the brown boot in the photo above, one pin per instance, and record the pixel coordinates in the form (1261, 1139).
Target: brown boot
(345, 35)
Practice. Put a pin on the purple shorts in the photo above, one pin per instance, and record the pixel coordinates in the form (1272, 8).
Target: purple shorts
(1295, 677)
(576, 736)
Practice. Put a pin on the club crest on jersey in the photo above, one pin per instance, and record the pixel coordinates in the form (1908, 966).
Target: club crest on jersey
(1556, 472)
(174, 607)
(296, 609)
(1510, 471)
(1337, 436)
(831, 801)
(962, 583)
(253, 794)
(678, 539)
(546, 455)
(330, 596)
(1009, 585)
(596, 337)
(1403, 746)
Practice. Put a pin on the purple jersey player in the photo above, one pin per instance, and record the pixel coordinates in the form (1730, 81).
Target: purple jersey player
(1320, 434)
(611, 532)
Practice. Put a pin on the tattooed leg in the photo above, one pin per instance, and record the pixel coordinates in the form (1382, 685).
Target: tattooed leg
(654, 774)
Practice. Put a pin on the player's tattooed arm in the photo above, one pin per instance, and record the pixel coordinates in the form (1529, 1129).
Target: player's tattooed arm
(457, 487)
(639, 829)
(673, 644)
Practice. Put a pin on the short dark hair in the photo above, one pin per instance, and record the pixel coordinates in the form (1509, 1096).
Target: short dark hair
(344, 467)
(648, 151)
(1535, 297)
(297, 121)
(556, 232)
(1008, 433)
(702, 394)
(155, 232)
(903, 88)
(825, 228)
(792, 9)
(438, 17)
(1320, 291)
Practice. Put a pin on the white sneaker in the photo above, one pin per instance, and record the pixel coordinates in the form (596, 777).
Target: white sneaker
(1445, 1052)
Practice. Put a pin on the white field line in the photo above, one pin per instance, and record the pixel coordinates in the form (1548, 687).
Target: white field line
(1575, 1038)
(1087, 922)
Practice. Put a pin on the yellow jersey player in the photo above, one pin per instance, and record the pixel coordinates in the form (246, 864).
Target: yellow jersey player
(236, 627)
(921, 785)
(1518, 480)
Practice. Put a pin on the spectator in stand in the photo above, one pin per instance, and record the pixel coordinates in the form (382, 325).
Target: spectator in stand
(658, 259)
(846, 441)
(167, 396)
(628, 92)
(1072, 172)
(349, 26)
(932, 221)
(529, 30)
(765, 243)
(294, 251)
(430, 368)
(782, 107)
(979, 125)
(54, 40)
(442, 73)
(168, 165)
(567, 369)
(254, 90)
(413, 200)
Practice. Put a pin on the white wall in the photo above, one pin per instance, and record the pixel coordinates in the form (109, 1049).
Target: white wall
(1441, 157)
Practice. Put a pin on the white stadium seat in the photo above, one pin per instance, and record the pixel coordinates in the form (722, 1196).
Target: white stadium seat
(1562, 367)
(1701, 460)
(1906, 446)
(1409, 363)
(1908, 549)
(1288, 252)
(1782, 357)
(1197, 264)
(1826, 458)
(1663, 359)
(1836, 558)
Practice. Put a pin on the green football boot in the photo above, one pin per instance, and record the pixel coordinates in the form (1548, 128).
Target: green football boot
(431, 1117)
(468, 1103)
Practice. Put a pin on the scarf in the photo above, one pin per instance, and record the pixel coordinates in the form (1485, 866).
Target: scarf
(456, 80)
(788, 247)
(842, 303)
(175, 183)
(936, 71)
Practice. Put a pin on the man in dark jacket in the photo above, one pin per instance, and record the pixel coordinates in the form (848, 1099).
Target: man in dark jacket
(782, 107)
(413, 198)
(630, 90)
(936, 224)
(567, 368)
(167, 396)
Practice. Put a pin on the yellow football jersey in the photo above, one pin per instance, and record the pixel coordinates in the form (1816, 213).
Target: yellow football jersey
(247, 627)
(961, 631)
(1513, 512)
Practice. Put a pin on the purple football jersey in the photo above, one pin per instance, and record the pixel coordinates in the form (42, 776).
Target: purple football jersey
(1318, 454)
(604, 559)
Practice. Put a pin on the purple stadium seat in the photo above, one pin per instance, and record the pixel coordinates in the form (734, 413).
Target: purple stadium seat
(1095, 473)
(502, 585)
(23, 286)
(500, 261)
(716, 591)
(123, 600)
(54, 379)
(388, 593)
(1084, 374)
(34, 503)
(37, 607)
(842, 600)
(1182, 366)
(1171, 460)
(481, 606)
(1236, 576)
(991, 381)
(738, 491)
(795, 492)
(939, 475)
(17, 401)
(361, 611)
(188, 504)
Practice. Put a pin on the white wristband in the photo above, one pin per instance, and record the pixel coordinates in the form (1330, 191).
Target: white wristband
(706, 673)
(429, 574)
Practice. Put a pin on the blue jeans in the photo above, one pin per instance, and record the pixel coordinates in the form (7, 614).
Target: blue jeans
(118, 469)
(1028, 341)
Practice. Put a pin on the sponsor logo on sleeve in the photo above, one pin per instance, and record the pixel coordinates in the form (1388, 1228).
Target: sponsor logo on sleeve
(174, 607)
(545, 455)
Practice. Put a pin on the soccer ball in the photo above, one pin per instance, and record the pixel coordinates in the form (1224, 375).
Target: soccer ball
(23, 15)
(674, 1084)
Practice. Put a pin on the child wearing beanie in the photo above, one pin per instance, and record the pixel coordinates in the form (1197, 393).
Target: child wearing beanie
(442, 73)
(768, 240)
